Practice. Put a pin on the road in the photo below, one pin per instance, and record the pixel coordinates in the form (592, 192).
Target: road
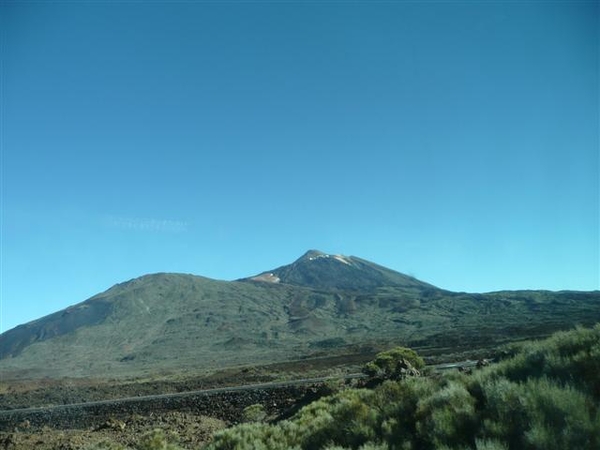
(226, 402)
(234, 395)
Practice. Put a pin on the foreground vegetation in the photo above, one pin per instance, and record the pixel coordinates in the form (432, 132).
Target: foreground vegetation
(543, 395)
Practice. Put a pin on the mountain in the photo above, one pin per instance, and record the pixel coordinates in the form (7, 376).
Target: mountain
(321, 304)
(319, 270)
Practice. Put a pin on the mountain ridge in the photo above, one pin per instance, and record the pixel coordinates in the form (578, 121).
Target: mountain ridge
(322, 304)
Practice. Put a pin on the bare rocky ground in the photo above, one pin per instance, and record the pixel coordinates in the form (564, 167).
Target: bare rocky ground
(189, 421)
(186, 420)
(45, 392)
(189, 430)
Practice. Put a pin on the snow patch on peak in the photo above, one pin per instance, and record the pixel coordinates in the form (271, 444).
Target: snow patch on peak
(340, 258)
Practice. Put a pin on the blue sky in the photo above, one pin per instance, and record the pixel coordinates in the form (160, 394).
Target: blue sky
(454, 141)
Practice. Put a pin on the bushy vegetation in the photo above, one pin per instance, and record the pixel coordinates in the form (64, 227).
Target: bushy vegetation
(545, 396)
(395, 364)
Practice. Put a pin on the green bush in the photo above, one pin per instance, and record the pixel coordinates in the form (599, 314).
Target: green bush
(447, 417)
(571, 357)
(351, 421)
(255, 436)
(504, 412)
(559, 417)
(397, 403)
(157, 440)
(394, 364)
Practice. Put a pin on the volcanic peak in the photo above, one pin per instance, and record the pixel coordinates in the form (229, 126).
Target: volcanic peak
(313, 255)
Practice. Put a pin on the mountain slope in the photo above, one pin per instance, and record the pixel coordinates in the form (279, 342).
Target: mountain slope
(320, 305)
(319, 270)
(183, 319)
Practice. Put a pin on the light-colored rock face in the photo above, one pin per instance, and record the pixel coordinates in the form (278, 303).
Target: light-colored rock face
(268, 277)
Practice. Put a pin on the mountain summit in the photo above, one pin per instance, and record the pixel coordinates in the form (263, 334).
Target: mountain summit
(318, 270)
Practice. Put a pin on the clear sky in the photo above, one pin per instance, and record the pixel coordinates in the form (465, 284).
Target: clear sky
(454, 141)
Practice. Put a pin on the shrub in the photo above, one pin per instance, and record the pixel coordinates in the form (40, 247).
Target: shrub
(397, 403)
(447, 417)
(504, 412)
(559, 417)
(345, 419)
(157, 440)
(539, 414)
(254, 413)
(569, 357)
(394, 364)
(254, 436)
